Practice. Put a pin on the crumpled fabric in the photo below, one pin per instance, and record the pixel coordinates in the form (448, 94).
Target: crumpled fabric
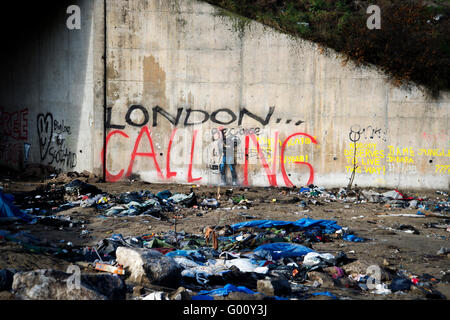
(394, 194)
(246, 265)
(90, 202)
(352, 238)
(157, 243)
(194, 255)
(201, 271)
(314, 258)
(280, 250)
(127, 197)
(163, 195)
(210, 203)
(327, 226)
(79, 187)
(9, 210)
(187, 200)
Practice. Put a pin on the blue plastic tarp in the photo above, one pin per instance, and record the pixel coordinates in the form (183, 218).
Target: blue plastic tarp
(280, 250)
(352, 238)
(327, 226)
(9, 210)
(326, 293)
(221, 292)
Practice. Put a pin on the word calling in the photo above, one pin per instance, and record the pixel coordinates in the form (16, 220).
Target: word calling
(270, 172)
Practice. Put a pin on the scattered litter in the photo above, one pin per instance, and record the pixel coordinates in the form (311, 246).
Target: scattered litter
(109, 268)
(238, 255)
(381, 288)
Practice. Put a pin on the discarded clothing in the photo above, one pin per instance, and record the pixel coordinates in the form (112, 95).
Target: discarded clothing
(9, 210)
(245, 265)
(201, 271)
(282, 250)
(327, 226)
(164, 195)
(314, 258)
(394, 194)
(79, 187)
(400, 284)
(189, 200)
(210, 203)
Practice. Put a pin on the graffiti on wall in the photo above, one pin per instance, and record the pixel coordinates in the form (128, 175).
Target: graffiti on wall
(14, 134)
(248, 149)
(445, 169)
(14, 125)
(191, 117)
(365, 157)
(378, 157)
(52, 136)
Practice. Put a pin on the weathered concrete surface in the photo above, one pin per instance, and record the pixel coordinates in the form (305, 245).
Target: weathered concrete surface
(48, 83)
(187, 62)
(185, 54)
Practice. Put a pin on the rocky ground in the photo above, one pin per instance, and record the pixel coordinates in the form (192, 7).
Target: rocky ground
(394, 243)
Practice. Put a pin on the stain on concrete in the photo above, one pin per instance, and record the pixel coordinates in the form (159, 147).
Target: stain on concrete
(111, 71)
(154, 81)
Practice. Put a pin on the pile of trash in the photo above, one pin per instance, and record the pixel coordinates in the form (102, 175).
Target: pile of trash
(244, 254)
(51, 199)
(271, 259)
(393, 198)
(84, 176)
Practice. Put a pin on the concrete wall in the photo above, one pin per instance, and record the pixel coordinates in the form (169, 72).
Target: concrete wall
(48, 89)
(177, 56)
(177, 71)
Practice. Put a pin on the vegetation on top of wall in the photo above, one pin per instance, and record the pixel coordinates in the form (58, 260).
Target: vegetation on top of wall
(413, 43)
(239, 22)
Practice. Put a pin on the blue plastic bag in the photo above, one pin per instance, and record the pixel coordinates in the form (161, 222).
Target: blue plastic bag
(304, 190)
(327, 226)
(352, 238)
(280, 250)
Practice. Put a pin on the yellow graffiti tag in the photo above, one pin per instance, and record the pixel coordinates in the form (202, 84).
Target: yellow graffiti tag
(442, 168)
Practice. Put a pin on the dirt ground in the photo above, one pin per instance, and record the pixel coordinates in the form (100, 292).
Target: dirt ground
(388, 248)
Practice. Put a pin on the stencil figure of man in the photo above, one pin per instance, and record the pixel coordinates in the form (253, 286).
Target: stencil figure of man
(227, 147)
